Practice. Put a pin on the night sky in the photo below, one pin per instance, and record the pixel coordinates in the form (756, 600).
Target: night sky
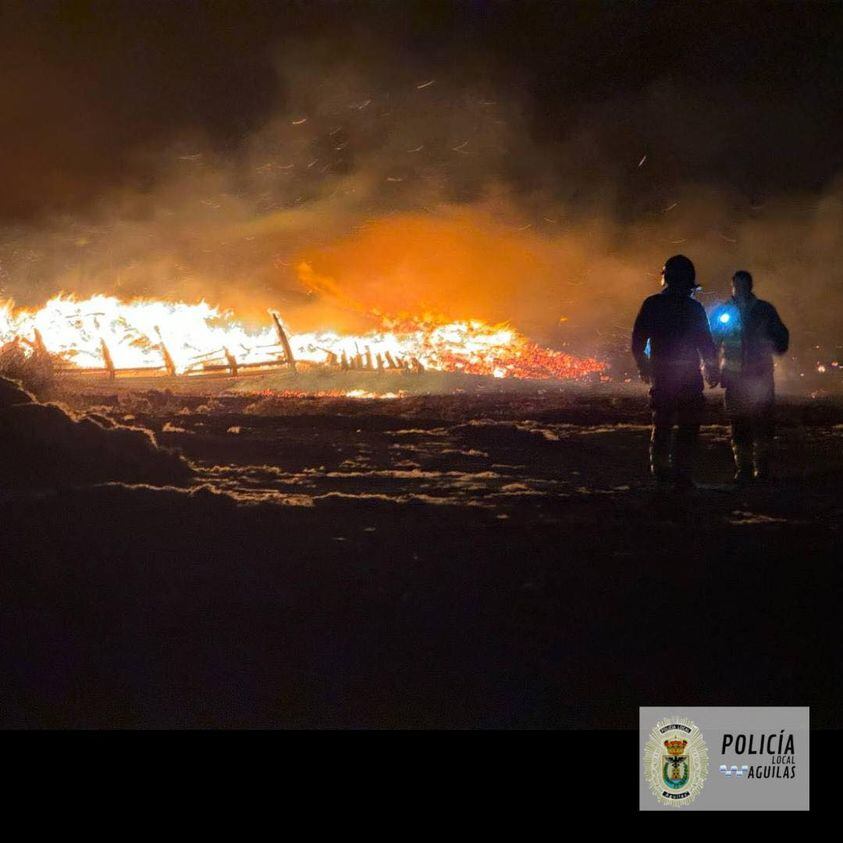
(746, 93)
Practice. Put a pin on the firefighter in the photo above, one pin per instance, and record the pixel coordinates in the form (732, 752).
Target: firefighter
(670, 337)
(748, 332)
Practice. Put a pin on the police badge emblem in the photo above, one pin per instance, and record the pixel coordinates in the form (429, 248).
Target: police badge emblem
(675, 761)
(675, 773)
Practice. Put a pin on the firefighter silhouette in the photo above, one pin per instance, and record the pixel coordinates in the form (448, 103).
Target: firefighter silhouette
(670, 338)
(748, 332)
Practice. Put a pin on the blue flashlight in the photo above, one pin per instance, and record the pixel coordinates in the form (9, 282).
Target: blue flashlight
(725, 319)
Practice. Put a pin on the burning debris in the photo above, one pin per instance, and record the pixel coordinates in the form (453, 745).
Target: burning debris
(104, 336)
(28, 362)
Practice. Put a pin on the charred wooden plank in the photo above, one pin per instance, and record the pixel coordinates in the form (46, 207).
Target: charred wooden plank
(282, 338)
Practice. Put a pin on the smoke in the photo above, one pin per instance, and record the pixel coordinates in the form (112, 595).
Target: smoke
(373, 188)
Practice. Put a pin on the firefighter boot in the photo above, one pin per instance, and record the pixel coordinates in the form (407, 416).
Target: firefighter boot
(660, 454)
(742, 450)
(686, 449)
(743, 464)
(761, 460)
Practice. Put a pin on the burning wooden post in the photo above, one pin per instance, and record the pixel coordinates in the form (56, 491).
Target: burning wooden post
(169, 365)
(231, 360)
(38, 343)
(282, 339)
(107, 359)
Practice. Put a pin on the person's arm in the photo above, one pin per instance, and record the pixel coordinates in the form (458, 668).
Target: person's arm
(706, 348)
(777, 332)
(640, 334)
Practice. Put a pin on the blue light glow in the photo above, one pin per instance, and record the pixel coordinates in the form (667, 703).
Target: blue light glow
(725, 317)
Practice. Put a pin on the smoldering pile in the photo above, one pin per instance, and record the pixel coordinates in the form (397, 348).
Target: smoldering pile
(44, 446)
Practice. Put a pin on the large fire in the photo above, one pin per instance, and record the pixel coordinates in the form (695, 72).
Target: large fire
(149, 336)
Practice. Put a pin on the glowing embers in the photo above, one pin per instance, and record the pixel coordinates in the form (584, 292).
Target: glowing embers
(103, 334)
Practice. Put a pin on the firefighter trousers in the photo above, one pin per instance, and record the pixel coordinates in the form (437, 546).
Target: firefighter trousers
(750, 406)
(677, 414)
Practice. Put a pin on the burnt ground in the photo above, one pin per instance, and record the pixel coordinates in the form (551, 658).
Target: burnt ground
(456, 561)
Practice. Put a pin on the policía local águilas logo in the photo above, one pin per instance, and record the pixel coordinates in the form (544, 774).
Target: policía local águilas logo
(675, 761)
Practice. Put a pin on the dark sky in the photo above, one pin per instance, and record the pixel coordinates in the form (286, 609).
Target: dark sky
(745, 94)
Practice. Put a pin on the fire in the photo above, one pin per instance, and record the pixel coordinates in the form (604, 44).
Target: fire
(153, 336)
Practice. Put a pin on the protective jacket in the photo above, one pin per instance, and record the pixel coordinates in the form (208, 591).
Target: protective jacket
(678, 333)
(747, 335)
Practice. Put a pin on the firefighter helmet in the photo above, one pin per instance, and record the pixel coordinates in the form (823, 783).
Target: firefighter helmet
(679, 271)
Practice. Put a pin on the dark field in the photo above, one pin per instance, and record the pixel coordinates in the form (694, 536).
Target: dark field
(452, 561)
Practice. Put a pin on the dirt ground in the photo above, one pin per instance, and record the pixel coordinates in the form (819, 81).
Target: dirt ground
(428, 561)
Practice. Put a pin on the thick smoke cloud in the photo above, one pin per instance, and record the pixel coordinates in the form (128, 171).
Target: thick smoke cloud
(537, 169)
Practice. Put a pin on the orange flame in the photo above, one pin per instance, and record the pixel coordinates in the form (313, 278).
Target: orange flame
(153, 334)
